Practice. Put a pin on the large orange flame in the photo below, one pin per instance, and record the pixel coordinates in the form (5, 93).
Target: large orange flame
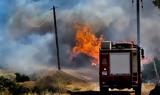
(86, 43)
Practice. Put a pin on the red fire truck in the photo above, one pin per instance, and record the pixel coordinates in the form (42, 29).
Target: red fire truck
(120, 66)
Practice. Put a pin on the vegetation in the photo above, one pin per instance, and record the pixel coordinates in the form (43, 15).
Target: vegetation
(21, 78)
(6, 85)
(53, 83)
(11, 87)
(157, 3)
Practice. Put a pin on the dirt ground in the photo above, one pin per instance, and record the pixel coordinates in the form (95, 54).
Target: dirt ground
(92, 88)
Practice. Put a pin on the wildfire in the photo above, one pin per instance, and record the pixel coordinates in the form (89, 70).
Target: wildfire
(86, 43)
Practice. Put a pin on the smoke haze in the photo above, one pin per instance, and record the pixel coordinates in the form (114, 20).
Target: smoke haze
(28, 43)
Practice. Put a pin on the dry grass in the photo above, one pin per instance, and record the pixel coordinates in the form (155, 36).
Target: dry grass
(64, 82)
(28, 84)
(146, 88)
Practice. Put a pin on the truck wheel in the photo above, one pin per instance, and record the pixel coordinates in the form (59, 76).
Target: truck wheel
(104, 90)
(137, 90)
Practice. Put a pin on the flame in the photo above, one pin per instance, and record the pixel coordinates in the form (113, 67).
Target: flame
(86, 43)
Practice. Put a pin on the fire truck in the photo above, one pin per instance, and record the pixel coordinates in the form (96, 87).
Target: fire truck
(120, 66)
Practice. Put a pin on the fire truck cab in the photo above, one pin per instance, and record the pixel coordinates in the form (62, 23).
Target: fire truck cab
(120, 66)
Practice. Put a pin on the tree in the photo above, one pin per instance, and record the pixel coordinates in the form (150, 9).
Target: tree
(12, 87)
(21, 78)
(157, 3)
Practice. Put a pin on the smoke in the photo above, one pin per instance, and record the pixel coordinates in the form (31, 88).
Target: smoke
(116, 21)
(26, 41)
(26, 56)
(27, 44)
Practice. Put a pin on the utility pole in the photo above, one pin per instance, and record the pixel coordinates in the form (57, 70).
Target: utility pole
(56, 37)
(139, 44)
(138, 38)
(138, 23)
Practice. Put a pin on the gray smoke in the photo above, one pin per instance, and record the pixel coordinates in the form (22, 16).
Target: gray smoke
(29, 43)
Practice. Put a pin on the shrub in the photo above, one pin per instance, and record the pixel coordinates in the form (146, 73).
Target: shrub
(21, 78)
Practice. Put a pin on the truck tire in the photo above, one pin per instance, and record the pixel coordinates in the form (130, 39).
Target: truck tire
(137, 90)
(104, 90)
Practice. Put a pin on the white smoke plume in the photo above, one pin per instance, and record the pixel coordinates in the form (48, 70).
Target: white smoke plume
(27, 44)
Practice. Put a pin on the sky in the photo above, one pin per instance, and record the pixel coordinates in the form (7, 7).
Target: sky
(27, 41)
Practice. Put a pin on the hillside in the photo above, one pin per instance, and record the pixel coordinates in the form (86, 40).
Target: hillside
(69, 82)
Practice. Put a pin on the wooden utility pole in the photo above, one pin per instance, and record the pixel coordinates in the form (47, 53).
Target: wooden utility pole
(56, 36)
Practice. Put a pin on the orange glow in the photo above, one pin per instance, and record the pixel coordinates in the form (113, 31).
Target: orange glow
(86, 43)
(147, 59)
